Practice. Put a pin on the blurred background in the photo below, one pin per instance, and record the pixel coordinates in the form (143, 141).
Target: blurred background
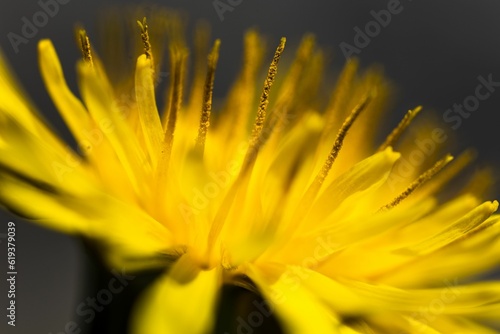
(433, 51)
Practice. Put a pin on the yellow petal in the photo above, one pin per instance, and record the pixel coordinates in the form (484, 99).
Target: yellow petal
(443, 217)
(452, 324)
(397, 323)
(479, 300)
(100, 103)
(469, 256)
(13, 100)
(89, 135)
(70, 107)
(181, 301)
(15, 104)
(299, 310)
(369, 174)
(24, 153)
(466, 225)
(148, 112)
(382, 256)
(338, 296)
(43, 207)
(127, 232)
(361, 176)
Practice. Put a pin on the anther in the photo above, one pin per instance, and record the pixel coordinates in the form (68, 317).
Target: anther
(145, 38)
(398, 131)
(207, 96)
(424, 177)
(85, 46)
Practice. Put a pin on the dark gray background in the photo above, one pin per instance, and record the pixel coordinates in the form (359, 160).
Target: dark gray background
(433, 51)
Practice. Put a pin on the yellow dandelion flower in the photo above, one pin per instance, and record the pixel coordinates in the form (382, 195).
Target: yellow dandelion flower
(271, 190)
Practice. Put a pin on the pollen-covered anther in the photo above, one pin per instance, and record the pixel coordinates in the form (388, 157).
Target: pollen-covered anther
(315, 186)
(339, 141)
(398, 131)
(256, 140)
(85, 46)
(207, 96)
(424, 177)
(145, 38)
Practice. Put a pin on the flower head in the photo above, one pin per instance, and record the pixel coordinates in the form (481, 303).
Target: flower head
(271, 189)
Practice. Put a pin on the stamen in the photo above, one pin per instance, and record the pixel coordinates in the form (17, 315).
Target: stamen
(315, 186)
(177, 57)
(398, 131)
(85, 46)
(207, 96)
(145, 38)
(459, 164)
(178, 54)
(256, 140)
(339, 141)
(264, 98)
(252, 152)
(426, 176)
(288, 92)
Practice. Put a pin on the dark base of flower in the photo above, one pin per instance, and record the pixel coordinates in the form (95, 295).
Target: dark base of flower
(244, 312)
(108, 298)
